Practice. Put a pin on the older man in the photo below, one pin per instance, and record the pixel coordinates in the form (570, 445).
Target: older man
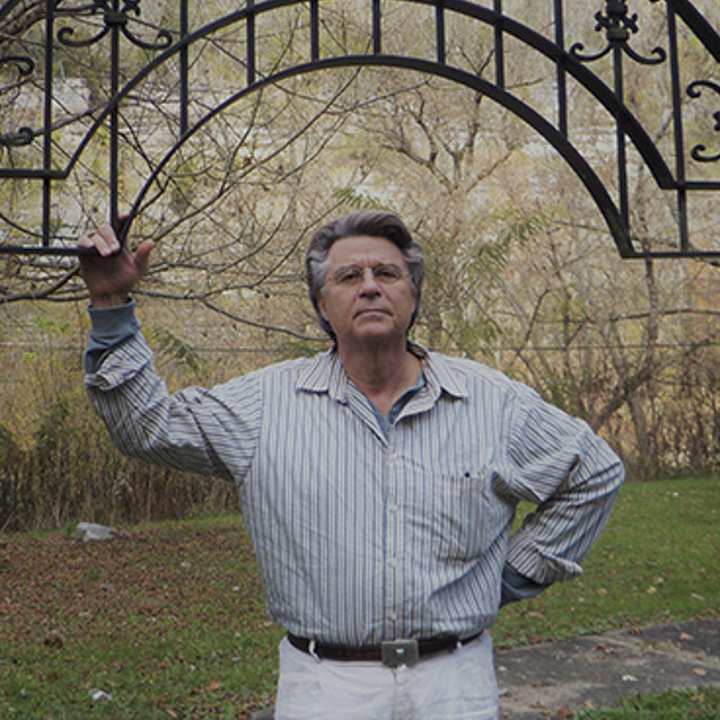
(379, 480)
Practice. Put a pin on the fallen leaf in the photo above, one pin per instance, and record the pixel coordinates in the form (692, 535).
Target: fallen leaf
(54, 640)
(543, 710)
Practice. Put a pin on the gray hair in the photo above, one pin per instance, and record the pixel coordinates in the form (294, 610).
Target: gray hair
(371, 223)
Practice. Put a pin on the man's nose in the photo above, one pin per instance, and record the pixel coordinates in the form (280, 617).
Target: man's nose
(369, 283)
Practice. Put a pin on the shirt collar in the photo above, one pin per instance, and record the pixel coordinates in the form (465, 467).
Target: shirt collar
(443, 377)
(325, 373)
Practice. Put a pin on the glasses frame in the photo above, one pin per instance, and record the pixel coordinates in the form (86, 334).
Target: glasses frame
(351, 276)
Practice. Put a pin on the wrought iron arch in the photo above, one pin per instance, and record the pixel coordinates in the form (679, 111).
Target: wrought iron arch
(120, 21)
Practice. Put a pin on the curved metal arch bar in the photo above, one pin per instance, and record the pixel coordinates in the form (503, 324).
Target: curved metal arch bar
(568, 152)
(698, 23)
(602, 92)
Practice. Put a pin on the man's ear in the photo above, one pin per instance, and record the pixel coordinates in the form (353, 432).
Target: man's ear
(322, 306)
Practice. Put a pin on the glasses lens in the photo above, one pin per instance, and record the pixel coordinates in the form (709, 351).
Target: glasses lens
(385, 274)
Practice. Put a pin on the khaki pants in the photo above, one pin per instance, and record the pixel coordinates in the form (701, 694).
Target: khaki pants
(459, 685)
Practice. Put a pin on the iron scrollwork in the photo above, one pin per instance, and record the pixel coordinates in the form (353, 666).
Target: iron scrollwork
(619, 26)
(694, 90)
(25, 67)
(114, 17)
(24, 136)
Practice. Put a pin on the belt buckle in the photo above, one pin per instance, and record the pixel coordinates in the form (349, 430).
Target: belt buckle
(395, 653)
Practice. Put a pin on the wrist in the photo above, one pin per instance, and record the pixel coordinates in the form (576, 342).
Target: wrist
(108, 301)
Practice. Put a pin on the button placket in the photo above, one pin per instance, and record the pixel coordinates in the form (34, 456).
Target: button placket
(394, 540)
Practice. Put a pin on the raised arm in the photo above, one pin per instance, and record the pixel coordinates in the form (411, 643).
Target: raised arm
(197, 430)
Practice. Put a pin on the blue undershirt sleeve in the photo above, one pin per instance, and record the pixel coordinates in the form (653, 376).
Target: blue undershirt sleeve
(110, 327)
(517, 587)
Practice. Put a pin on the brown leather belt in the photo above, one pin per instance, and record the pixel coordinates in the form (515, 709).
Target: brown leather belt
(392, 653)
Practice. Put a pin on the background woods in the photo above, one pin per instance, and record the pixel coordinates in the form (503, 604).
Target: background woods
(522, 272)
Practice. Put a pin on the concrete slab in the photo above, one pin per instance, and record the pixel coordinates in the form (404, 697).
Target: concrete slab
(555, 679)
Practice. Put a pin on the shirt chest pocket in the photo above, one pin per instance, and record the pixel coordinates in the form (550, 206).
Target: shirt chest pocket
(453, 517)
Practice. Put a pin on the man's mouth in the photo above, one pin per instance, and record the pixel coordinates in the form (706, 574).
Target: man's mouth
(371, 310)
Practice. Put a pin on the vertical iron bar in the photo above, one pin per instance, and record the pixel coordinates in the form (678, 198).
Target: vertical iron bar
(376, 27)
(440, 30)
(47, 121)
(499, 47)
(314, 30)
(184, 68)
(250, 30)
(620, 138)
(114, 118)
(678, 130)
(560, 69)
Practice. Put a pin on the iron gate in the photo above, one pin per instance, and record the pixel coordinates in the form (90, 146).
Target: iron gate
(45, 129)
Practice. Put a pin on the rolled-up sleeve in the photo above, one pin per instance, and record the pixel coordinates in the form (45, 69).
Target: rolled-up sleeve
(111, 327)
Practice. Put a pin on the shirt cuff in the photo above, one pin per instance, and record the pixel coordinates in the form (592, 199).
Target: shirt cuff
(110, 328)
(517, 587)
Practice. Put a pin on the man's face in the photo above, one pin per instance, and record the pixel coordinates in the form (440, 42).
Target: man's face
(368, 297)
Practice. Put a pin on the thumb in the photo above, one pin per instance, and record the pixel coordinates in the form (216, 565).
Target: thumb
(142, 256)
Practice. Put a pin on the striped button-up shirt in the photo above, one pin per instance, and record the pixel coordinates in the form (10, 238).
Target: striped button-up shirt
(365, 533)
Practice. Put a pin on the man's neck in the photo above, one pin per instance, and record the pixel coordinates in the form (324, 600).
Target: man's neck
(383, 374)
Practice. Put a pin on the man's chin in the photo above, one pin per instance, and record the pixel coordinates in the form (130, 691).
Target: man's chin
(373, 322)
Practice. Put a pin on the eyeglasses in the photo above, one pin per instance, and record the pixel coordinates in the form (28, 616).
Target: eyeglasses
(353, 275)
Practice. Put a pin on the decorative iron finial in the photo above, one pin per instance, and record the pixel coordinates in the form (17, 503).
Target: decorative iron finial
(113, 17)
(619, 26)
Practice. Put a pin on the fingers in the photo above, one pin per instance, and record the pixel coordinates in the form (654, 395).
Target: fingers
(142, 256)
(104, 240)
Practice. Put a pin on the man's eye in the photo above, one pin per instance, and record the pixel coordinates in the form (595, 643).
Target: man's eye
(349, 276)
(387, 273)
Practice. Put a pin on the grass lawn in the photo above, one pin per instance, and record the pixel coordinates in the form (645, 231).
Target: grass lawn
(168, 621)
